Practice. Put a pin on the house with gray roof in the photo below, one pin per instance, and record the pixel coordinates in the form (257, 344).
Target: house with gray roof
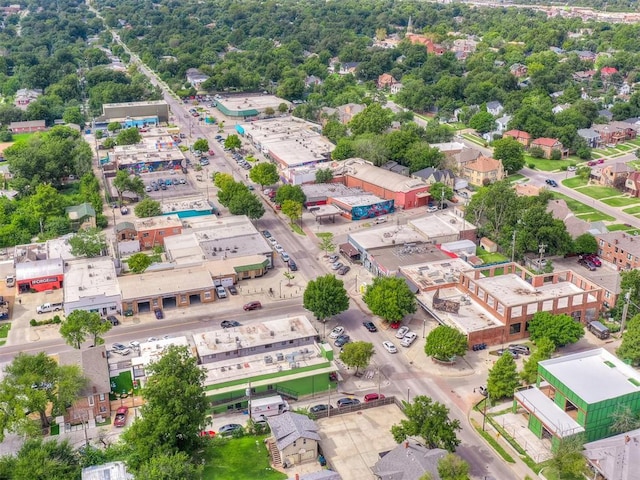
(592, 137)
(432, 175)
(319, 475)
(615, 458)
(495, 108)
(409, 461)
(294, 436)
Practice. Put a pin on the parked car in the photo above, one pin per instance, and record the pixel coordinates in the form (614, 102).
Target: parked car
(221, 292)
(121, 417)
(593, 258)
(284, 256)
(266, 234)
(336, 332)
(402, 331)
(586, 264)
(232, 289)
(519, 348)
(337, 265)
(342, 340)
(229, 324)
(432, 209)
(229, 429)
(204, 162)
(120, 349)
(408, 339)
(372, 397)
(370, 326)
(344, 269)
(572, 168)
(158, 313)
(292, 265)
(124, 210)
(272, 241)
(506, 351)
(255, 305)
(333, 258)
(348, 402)
(320, 408)
(551, 182)
(134, 344)
(389, 347)
(278, 248)
(113, 320)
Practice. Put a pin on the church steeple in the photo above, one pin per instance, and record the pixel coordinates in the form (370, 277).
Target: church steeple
(410, 25)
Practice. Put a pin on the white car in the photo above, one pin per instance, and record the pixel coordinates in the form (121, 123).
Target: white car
(337, 265)
(278, 248)
(285, 256)
(572, 168)
(336, 332)
(389, 347)
(273, 241)
(120, 349)
(402, 331)
(408, 339)
(134, 344)
(432, 209)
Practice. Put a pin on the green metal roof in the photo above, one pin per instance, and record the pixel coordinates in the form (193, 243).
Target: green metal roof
(255, 266)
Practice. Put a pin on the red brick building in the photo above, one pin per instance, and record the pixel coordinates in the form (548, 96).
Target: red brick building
(522, 137)
(548, 145)
(619, 249)
(28, 127)
(152, 231)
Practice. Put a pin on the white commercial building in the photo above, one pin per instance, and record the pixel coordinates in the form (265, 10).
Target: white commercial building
(91, 284)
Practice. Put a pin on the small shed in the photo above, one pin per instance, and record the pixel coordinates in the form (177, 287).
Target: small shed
(488, 245)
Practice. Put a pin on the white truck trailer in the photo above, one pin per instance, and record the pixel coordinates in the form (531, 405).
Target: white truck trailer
(261, 408)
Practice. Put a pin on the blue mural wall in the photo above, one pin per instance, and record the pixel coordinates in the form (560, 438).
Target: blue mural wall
(372, 211)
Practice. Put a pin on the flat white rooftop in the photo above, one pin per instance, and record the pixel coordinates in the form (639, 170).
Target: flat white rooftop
(230, 339)
(595, 375)
(437, 273)
(248, 102)
(165, 282)
(359, 200)
(197, 204)
(162, 221)
(471, 316)
(440, 224)
(91, 277)
(152, 351)
(556, 420)
(386, 236)
(511, 289)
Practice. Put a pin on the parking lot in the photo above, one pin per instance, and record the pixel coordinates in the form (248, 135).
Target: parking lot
(173, 190)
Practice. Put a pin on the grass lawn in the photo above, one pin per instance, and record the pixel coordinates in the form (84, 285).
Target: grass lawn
(597, 151)
(516, 177)
(623, 147)
(599, 192)
(575, 182)
(488, 257)
(585, 212)
(243, 458)
(457, 125)
(21, 136)
(620, 227)
(631, 211)
(635, 164)
(595, 217)
(4, 330)
(621, 201)
(635, 142)
(548, 165)
(472, 138)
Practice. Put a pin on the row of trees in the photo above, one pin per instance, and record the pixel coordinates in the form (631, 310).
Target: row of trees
(237, 197)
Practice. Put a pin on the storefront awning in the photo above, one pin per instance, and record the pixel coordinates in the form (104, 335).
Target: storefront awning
(349, 250)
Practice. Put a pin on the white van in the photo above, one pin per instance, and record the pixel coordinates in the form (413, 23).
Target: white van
(408, 339)
(221, 292)
(380, 220)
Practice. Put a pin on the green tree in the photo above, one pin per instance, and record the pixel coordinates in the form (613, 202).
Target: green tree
(503, 378)
(452, 467)
(232, 141)
(585, 243)
(246, 203)
(269, 112)
(109, 143)
(264, 173)
(373, 119)
(439, 191)
(482, 122)
(147, 207)
(130, 136)
(176, 466)
(510, 152)
(97, 327)
(544, 350)
(73, 329)
(38, 459)
(123, 182)
(344, 149)
(73, 115)
(174, 410)
(324, 175)
(325, 297)
(567, 460)
(421, 155)
(114, 127)
(326, 242)
(430, 421)
(201, 145)
(583, 172)
(629, 349)
(290, 192)
(624, 420)
(630, 285)
(444, 343)
(283, 108)
(357, 354)
(36, 383)
(560, 329)
(334, 130)
(139, 262)
(390, 299)
(88, 243)
(292, 209)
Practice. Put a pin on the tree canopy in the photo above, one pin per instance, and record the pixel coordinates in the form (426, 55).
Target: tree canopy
(88, 243)
(629, 349)
(430, 421)
(325, 297)
(264, 173)
(560, 329)
(503, 378)
(390, 298)
(357, 354)
(445, 343)
(80, 324)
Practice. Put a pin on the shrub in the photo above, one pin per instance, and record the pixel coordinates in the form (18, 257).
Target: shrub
(33, 322)
(531, 165)
(536, 152)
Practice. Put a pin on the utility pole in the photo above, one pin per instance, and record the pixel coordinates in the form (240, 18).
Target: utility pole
(513, 246)
(625, 310)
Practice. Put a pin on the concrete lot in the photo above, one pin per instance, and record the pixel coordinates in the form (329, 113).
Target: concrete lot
(351, 443)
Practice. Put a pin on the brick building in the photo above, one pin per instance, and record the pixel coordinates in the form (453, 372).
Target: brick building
(548, 145)
(153, 230)
(521, 137)
(619, 249)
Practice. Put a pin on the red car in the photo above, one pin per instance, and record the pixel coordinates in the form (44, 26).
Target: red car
(594, 259)
(372, 397)
(212, 153)
(592, 163)
(252, 305)
(601, 160)
(121, 417)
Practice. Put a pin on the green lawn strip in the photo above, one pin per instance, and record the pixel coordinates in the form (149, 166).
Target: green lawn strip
(621, 227)
(630, 211)
(595, 217)
(4, 330)
(635, 164)
(574, 205)
(474, 139)
(618, 155)
(494, 444)
(598, 152)
(549, 165)
(599, 192)
(488, 257)
(620, 201)
(21, 136)
(575, 182)
(517, 177)
(243, 458)
(624, 148)
(635, 142)
(296, 228)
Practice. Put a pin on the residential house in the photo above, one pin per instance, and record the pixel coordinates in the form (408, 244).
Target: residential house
(495, 108)
(396, 168)
(28, 127)
(348, 68)
(317, 475)
(431, 47)
(548, 145)
(608, 71)
(343, 113)
(196, 78)
(153, 230)
(25, 96)
(432, 175)
(557, 50)
(386, 80)
(606, 113)
(579, 394)
(93, 400)
(620, 249)
(522, 137)
(82, 216)
(609, 134)
(560, 108)
(395, 88)
(483, 170)
(518, 70)
(630, 130)
(464, 157)
(612, 174)
(295, 437)
(592, 137)
(625, 89)
(107, 471)
(462, 47)
(502, 123)
(583, 76)
(468, 109)
(409, 461)
(632, 184)
(585, 55)
(312, 81)
(617, 457)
